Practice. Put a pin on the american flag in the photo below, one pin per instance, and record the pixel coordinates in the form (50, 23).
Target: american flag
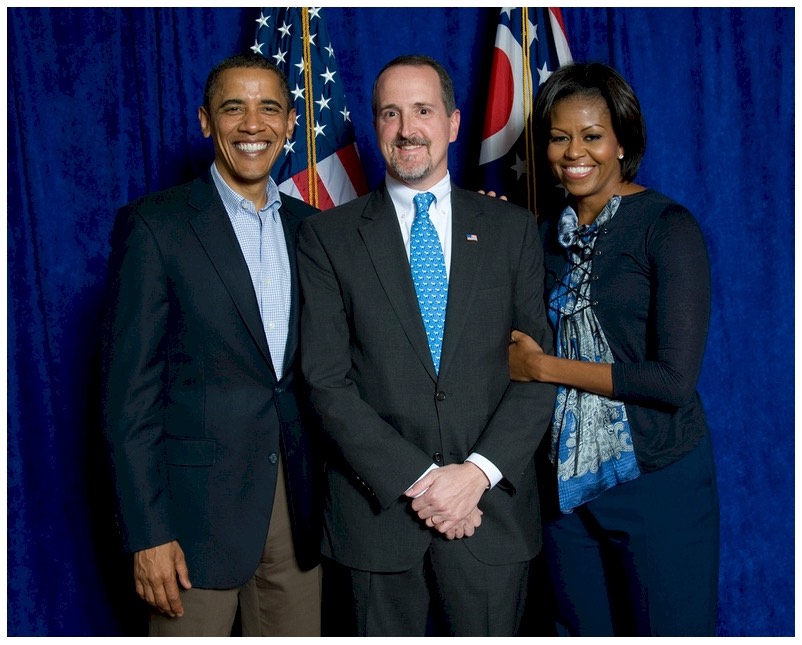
(320, 164)
(506, 158)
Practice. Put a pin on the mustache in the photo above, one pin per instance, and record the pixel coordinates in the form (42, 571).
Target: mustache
(414, 141)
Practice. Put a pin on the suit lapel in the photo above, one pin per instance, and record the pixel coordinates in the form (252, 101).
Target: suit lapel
(290, 223)
(213, 228)
(466, 259)
(382, 237)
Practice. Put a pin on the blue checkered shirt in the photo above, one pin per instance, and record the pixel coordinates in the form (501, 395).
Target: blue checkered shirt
(261, 238)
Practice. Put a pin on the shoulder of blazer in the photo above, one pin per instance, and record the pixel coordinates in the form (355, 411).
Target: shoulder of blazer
(462, 198)
(354, 210)
(177, 203)
(296, 208)
(161, 212)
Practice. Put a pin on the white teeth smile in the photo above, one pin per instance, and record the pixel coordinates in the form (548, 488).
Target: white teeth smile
(252, 147)
(577, 171)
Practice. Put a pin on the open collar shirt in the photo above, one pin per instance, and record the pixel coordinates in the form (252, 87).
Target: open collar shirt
(261, 238)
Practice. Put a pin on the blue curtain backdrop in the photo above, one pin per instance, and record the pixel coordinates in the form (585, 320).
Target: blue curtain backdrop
(102, 108)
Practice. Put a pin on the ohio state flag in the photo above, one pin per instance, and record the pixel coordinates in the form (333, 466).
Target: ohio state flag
(530, 45)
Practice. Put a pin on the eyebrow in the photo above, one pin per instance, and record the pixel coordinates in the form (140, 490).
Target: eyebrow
(587, 127)
(230, 102)
(393, 106)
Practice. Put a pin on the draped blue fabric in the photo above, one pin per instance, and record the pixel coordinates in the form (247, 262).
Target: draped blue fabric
(102, 108)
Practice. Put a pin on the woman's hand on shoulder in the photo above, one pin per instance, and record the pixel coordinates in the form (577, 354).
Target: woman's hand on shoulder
(492, 193)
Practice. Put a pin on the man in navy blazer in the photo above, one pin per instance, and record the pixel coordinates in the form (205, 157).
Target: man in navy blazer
(203, 403)
(431, 494)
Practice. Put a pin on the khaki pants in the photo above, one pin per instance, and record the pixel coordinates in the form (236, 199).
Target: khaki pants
(279, 600)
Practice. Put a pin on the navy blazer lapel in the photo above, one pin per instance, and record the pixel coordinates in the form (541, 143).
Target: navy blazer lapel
(382, 237)
(467, 254)
(290, 223)
(215, 232)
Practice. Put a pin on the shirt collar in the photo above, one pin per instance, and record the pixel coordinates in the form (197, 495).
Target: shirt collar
(402, 195)
(233, 201)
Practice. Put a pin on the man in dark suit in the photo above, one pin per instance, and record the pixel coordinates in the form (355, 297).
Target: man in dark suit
(431, 475)
(203, 403)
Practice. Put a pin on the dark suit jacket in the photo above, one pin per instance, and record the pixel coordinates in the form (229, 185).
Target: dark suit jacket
(193, 414)
(385, 412)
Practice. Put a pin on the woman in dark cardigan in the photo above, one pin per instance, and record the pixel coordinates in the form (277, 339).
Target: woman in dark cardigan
(633, 549)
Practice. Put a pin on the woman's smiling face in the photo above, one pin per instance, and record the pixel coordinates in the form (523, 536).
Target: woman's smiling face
(584, 152)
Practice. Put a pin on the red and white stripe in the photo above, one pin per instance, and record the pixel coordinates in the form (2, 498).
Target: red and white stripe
(340, 179)
(508, 109)
(558, 33)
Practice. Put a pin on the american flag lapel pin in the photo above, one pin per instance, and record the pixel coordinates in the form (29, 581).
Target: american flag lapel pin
(471, 237)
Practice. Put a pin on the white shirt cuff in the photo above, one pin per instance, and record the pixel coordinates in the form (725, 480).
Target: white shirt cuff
(426, 472)
(492, 473)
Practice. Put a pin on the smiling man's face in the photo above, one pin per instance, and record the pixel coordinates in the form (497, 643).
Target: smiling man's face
(249, 121)
(413, 126)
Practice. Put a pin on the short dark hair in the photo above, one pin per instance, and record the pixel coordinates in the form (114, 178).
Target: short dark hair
(419, 60)
(594, 80)
(248, 61)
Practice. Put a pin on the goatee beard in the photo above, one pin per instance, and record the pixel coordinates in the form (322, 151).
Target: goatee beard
(413, 174)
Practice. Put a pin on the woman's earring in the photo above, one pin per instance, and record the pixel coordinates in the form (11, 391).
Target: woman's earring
(620, 157)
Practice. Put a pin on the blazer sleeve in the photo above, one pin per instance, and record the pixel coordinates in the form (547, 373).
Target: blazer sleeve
(133, 373)
(524, 413)
(383, 461)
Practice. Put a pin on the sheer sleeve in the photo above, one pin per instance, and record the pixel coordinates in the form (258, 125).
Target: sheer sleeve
(679, 313)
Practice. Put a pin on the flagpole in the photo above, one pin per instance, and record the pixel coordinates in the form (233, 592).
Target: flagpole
(311, 152)
(528, 96)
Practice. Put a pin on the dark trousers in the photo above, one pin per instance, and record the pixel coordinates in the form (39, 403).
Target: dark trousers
(449, 592)
(642, 559)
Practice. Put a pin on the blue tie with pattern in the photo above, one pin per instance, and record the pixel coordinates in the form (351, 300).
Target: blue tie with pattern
(429, 275)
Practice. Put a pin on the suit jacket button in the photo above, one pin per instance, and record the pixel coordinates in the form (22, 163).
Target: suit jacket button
(272, 457)
(437, 458)
(440, 396)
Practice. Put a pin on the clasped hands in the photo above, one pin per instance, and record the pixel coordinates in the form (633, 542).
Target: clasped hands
(447, 499)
